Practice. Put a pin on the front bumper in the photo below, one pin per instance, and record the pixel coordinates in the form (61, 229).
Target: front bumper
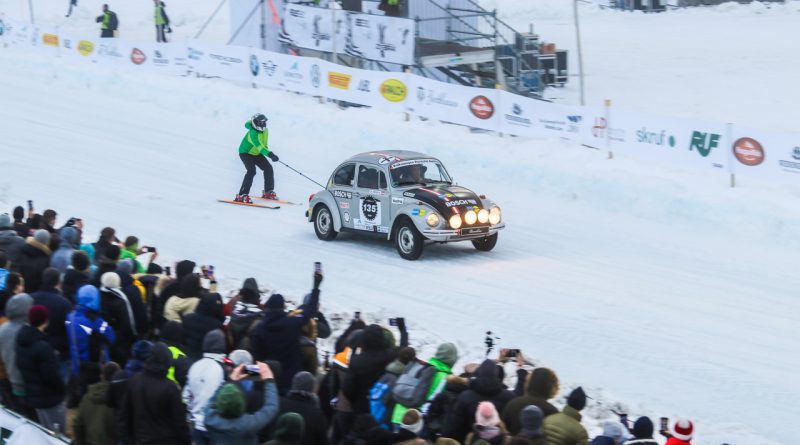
(462, 234)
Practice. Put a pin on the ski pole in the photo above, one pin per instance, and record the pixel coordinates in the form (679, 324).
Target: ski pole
(292, 169)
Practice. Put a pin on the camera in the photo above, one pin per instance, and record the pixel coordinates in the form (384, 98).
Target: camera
(512, 353)
(252, 370)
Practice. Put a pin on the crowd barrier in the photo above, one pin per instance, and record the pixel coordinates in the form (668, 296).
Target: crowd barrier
(705, 146)
(17, 430)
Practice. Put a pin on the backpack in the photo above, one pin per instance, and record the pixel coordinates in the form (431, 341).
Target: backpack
(113, 23)
(412, 386)
(380, 399)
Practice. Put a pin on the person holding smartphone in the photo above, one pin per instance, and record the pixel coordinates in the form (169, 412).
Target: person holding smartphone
(131, 250)
(225, 417)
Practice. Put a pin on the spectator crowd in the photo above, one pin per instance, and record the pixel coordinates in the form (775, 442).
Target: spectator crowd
(102, 344)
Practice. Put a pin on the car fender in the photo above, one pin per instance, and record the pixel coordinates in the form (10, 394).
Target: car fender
(326, 197)
(412, 211)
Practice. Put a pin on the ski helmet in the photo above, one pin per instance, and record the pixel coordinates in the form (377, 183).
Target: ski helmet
(259, 122)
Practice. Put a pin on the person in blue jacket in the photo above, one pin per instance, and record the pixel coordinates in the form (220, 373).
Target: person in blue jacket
(89, 335)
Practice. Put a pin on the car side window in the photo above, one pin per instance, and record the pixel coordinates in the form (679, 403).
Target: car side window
(367, 177)
(345, 175)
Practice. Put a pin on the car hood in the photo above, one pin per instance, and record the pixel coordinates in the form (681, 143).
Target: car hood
(444, 198)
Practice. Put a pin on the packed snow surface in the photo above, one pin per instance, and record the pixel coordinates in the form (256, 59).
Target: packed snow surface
(666, 292)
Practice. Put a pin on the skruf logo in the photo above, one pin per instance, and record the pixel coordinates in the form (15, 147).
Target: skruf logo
(748, 151)
(704, 142)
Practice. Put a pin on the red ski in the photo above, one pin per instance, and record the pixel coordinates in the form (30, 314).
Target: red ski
(248, 204)
(276, 201)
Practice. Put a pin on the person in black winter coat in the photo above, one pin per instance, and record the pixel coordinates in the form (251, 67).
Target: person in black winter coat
(245, 315)
(34, 258)
(207, 317)
(302, 399)
(108, 263)
(21, 227)
(118, 313)
(37, 362)
(58, 307)
(172, 335)
(152, 411)
(485, 385)
(277, 336)
(106, 240)
(76, 276)
(124, 270)
(642, 432)
(10, 242)
(368, 364)
(182, 269)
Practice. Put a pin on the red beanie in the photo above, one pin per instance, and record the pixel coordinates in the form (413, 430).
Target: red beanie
(683, 429)
(38, 315)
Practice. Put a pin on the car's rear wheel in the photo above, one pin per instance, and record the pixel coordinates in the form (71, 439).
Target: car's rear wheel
(323, 223)
(485, 244)
(408, 240)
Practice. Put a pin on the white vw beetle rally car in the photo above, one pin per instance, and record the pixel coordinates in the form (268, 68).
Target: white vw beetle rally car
(406, 197)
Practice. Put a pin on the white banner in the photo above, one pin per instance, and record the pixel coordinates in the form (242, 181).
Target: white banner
(767, 155)
(15, 430)
(166, 58)
(381, 38)
(383, 90)
(313, 28)
(692, 144)
(227, 62)
(475, 107)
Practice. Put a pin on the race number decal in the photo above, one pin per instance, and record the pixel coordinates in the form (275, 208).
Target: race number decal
(370, 210)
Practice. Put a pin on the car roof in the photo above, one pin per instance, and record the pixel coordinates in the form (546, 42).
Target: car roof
(373, 157)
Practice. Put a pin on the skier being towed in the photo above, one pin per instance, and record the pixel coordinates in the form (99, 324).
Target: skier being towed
(253, 152)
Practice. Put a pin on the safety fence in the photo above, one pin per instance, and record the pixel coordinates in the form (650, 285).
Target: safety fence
(17, 430)
(706, 146)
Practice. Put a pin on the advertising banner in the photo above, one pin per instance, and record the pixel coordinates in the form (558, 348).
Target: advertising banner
(227, 62)
(166, 58)
(693, 144)
(475, 107)
(383, 90)
(380, 38)
(14, 430)
(767, 155)
(313, 28)
(77, 48)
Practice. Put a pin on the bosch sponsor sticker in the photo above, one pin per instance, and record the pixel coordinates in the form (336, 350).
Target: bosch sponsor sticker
(461, 202)
(370, 210)
(342, 194)
(748, 151)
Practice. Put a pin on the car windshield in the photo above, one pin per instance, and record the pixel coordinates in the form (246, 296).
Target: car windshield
(418, 171)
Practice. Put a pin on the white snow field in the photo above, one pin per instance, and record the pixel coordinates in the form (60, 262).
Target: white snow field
(662, 291)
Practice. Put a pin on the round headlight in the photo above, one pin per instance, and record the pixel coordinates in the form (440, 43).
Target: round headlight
(494, 215)
(432, 220)
(455, 221)
(470, 217)
(483, 216)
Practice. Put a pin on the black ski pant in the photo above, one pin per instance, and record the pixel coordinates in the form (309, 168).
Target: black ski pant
(160, 35)
(106, 33)
(250, 163)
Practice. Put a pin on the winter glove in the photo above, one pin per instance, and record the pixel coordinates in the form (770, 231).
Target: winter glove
(317, 280)
(273, 156)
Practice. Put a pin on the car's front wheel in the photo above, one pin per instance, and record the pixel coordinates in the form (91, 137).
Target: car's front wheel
(408, 240)
(485, 244)
(323, 223)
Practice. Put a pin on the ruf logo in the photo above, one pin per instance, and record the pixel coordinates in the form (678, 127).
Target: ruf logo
(704, 142)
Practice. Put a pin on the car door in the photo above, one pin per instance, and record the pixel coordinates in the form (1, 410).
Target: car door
(343, 189)
(371, 200)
